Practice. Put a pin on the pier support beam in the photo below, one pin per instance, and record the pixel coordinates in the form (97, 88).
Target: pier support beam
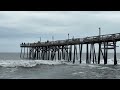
(105, 61)
(106, 52)
(94, 55)
(76, 52)
(91, 49)
(87, 54)
(24, 53)
(70, 53)
(80, 51)
(74, 55)
(99, 53)
(27, 52)
(58, 52)
(21, 53)
(115, 59)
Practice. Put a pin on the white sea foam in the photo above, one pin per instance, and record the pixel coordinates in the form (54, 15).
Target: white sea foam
(32, 63)
(110, 61)
(75, 73)
(103, 67)
(27, 63)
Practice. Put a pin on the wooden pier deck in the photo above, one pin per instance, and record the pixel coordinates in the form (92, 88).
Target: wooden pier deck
(63, 49)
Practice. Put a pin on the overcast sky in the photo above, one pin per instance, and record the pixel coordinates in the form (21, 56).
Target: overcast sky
(28, 26)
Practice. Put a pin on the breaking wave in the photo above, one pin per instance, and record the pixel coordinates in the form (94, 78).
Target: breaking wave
(27, 63)
(32, 63)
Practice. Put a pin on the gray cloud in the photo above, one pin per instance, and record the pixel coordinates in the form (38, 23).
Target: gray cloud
(28, 26)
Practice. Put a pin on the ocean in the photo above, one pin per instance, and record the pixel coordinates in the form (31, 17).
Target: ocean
(12, 67)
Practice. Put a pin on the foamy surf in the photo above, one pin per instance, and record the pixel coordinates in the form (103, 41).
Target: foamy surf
(27, 63)
(32, 63)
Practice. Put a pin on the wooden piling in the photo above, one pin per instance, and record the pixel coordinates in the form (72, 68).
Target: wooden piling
(90, 52)
(115, 59)
(93, 52)
(99, 52)
(80, 50)
(87, 54)
(70, 53)
(105, 61)
(58, 54)
(106, 52)
(94, 55)
(55, 53)
(24, 54)
(37, 53)
(27, 52)
(21, 53)
(76, 52)
(74, 55)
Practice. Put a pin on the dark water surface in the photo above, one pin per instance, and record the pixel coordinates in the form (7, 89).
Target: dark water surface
(61, 71)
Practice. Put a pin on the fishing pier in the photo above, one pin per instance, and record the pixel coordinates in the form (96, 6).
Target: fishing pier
(71, 49)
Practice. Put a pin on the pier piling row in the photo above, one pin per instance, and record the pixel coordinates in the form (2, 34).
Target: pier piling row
(71, 49)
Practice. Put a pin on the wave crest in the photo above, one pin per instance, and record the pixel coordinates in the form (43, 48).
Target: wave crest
(32, 63)
(27, 63)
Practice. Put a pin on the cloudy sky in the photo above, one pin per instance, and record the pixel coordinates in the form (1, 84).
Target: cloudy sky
(28, 26)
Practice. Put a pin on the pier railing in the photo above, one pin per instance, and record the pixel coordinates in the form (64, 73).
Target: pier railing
(93, 39)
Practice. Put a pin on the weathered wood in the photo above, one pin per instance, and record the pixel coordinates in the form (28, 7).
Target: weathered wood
(58, 54)
(52, 55)
(24, 53)
(30, 53)
(94, 55)
(49, 54)
(21, 53)
(87, 54)
(63, 49)
(55, 53)
(67, 53)
(102, 53)
(74, 55)
(115, 59)
(70, 53)
(93, 39)
(90, 52)
(105, 61)
(27, 52)
(99, 53)
(62, 52)
(76, 52)
(106, 52)
(81, 53)
(37, 52)
(40, 54)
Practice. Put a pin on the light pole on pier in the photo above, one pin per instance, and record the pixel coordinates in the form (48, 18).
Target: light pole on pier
(52, 38)
(99, 31)
(40, 39)
(68, 36)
